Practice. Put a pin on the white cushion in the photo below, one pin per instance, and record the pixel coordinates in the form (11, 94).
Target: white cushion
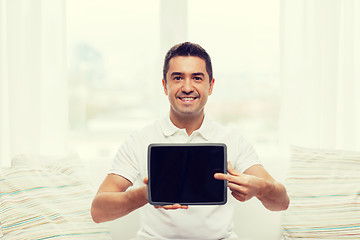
(47, 201)
(324, 190)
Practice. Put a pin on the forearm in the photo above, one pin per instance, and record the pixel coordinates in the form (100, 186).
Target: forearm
(108, 206)
(274, 196)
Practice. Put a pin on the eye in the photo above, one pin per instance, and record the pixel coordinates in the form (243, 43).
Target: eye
(197, 78)
(177, 78)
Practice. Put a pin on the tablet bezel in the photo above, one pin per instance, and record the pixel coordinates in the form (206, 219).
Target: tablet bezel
(187, 145)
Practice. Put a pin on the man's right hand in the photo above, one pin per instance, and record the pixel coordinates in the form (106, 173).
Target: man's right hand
(167, 207)
(113, 200)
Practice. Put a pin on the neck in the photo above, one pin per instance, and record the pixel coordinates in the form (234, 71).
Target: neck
(189, 122)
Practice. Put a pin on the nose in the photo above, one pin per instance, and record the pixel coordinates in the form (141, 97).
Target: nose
(187, 86)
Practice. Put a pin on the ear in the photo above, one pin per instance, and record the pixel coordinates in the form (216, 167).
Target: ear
(211, 86)
(165, 87)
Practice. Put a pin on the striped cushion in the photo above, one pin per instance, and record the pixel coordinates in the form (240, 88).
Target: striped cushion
(324, 188)
(51, 202)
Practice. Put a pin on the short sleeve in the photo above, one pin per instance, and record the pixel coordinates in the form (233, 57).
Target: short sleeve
(246, 156)
(125, 162)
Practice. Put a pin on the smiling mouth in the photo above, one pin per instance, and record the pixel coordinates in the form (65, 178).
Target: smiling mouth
(187, 99)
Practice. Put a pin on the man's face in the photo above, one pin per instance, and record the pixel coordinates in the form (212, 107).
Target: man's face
(187, 85)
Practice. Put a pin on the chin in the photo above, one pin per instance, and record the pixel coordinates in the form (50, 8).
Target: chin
(188, 113)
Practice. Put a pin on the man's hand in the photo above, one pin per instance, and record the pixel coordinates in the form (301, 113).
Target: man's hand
(166, 207)
(114, 200)
(256, 181)
(243, 186)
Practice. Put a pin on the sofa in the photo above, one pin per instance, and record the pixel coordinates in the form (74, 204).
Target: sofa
(47, 198)
(50, 198)
(324, 190)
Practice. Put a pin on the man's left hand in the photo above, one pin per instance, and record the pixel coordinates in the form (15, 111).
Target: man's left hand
(243, 186)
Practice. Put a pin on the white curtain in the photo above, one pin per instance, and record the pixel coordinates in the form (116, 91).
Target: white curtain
(320, 44)
(33, 100)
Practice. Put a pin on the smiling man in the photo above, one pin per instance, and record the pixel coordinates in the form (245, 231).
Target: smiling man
(187, 81)
(188, 85)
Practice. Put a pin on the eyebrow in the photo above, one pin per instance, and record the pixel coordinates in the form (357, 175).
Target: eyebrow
(199, 74)
(193, 74)
(176, 73)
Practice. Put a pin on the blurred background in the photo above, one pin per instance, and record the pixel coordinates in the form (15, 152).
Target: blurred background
(79, 76)
(82, 75)
(115, 57)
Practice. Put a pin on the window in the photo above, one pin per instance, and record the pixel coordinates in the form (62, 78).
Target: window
(115, 67)
(111, 71)
(242, 38)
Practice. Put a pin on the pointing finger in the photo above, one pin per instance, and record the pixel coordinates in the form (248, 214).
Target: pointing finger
(221, 176)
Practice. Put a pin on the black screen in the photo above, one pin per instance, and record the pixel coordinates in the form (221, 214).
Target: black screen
(184, 173)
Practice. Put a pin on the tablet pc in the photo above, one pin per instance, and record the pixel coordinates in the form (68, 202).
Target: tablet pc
(184, 174)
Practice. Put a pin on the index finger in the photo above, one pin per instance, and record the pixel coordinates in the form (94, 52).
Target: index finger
(222, 176)
(228, 177)
(231, 172)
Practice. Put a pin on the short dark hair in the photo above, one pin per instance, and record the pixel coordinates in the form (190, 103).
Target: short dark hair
(188, 49)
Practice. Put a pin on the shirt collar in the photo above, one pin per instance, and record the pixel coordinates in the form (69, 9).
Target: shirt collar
(206, 129)
(168, 127)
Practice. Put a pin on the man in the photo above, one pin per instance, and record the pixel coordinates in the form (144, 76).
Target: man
(187, 81)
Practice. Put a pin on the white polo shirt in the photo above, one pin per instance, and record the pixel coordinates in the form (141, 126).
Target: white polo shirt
(196, 222)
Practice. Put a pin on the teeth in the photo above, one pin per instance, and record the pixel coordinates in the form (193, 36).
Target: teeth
(187, 99)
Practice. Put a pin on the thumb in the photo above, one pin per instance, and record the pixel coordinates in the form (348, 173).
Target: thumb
(232, 171)
(146, 180)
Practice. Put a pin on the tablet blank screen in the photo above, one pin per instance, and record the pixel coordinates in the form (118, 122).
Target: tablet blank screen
(184, 173)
